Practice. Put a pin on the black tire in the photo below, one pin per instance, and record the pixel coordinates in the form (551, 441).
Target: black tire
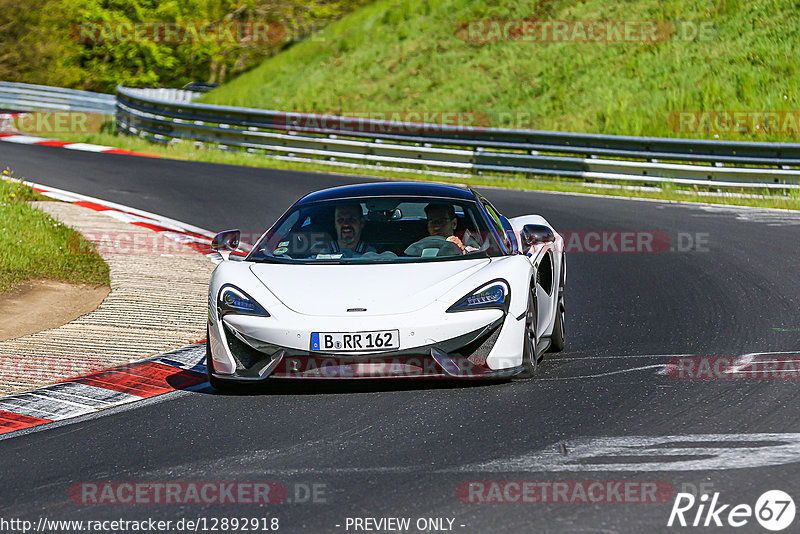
(557, 340)
(529, 359)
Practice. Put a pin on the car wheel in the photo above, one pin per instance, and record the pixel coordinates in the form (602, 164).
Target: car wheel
(529, 360)
(557, 340)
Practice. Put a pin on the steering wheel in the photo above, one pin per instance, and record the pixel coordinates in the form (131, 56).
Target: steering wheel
(321, 247)
(303, 244)
(445, 247)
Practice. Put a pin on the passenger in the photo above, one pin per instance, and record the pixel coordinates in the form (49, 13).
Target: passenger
(349, 222)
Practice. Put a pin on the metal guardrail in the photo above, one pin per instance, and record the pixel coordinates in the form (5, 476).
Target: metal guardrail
(168, 115)
(28, 97)
(165, 94)
(452, 149)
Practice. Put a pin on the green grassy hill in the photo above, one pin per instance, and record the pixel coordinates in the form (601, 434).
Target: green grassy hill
(411, 55)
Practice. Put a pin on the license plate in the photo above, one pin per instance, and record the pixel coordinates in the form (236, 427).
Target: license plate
(355, 341)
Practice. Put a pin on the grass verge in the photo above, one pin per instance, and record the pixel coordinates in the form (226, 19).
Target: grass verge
(187, 151)
(422, 56)
(37, 247)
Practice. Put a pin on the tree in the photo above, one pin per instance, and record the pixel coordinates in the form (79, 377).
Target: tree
(95, 44)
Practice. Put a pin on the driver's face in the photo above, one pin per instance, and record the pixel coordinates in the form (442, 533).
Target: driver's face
(440, 223)
(349, 222)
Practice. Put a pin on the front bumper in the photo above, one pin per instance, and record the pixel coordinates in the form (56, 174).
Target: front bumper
(460, 357)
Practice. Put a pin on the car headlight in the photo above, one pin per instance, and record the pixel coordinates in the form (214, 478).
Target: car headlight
(495, 294)
(234, 300)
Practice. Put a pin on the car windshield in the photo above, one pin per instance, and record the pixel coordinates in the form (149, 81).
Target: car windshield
(378, 230)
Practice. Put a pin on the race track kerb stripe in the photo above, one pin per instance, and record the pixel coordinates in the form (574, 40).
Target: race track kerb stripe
(92, 205)
(129, 153)
(52, 143)
(9, 422)
(146, 379)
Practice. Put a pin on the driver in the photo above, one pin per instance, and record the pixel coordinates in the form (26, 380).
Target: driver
(442, 221)
(349, 222)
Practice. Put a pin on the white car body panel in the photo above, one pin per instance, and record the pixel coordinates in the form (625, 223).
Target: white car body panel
(419, 325)
(548, 303)
(322, 290)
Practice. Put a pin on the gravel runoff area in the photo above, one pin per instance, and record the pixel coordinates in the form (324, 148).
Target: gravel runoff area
(157, 303)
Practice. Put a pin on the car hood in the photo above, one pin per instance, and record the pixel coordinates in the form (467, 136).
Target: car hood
(331, 290)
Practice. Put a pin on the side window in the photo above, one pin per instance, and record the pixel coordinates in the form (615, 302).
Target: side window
(270, 240)
(495, 218)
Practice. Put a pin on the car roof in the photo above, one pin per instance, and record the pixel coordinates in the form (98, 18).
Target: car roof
(394, 189)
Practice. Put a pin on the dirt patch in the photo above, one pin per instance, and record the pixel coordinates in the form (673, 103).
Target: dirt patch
(35, 306)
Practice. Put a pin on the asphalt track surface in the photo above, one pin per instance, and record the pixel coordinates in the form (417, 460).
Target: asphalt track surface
(401, 450)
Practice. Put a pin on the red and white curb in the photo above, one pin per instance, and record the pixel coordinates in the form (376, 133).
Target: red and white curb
(6, 121)
(11, 136)
(180, 369)
(197, 238)
(183, 368)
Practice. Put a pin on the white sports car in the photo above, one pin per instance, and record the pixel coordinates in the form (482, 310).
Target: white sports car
(387, 280)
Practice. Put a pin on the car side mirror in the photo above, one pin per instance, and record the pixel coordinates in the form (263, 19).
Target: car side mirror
(225, 242)
(536, 234)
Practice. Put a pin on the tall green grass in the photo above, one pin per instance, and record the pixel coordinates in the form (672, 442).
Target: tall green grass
(408, 55)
